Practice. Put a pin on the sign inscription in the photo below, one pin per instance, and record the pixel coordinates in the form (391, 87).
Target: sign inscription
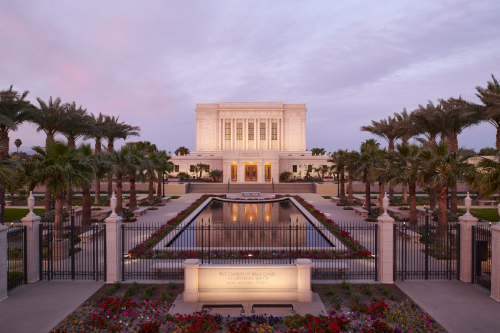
(247, 278)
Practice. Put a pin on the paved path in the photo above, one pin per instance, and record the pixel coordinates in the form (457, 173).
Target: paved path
(457, 306)
(38, 307)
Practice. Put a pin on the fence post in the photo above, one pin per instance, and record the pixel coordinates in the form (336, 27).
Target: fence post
(386, 245)
(495, 262)
(32, 246)
(113, 244)
(3, 262)
(466, 223)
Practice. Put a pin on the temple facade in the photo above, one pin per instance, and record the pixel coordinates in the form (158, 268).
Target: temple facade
(251, 142)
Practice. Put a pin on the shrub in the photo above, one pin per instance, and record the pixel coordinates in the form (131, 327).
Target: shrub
(367, 290)
(348, 208)
(148, 292)
(131, 290)
(172, 285)
(355, 296)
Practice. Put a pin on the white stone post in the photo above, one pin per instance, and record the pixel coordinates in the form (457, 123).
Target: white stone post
(113, 244)
(385, 245)
(3, 262)
(466, 223)
(190, 294)
(304, 293)
(32, 224)
(495, 262)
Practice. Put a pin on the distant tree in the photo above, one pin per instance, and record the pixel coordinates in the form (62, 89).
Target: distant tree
(487, 151)
(18, 144)
(318, 151)
(215, 174)
(285, 175)
(182, 151)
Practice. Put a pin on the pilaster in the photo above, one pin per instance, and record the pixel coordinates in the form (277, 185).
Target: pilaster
(32, 224)
(385, 245)
(466, 223)
(3, 262)
(190, 294)
(113, 245)
(495, 262)
(304, 293)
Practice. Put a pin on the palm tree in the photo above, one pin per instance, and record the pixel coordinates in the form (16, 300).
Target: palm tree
(339, 159)
(76, 123)
(442, 167)
(200, 167)
(57, 166)
(99, 128)
(159, 163)
(18, 144)
(368, 158)
(114, 130)
(136, 161)
(14, 110)
(318, 151)
(455, 119)
(388, 130)
(488, 176)
(404, 169)
(216, 174)
(426, 123)
(380, 172)
(351, 167)
(47, 117)
(490, 96)
(182, 151)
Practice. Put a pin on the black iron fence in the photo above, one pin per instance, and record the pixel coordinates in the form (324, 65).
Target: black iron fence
(428, 251)
(73, 252)
(16, 257)
(481, 256)
(343, 251)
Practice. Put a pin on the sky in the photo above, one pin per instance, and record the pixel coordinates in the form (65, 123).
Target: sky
(150, 62)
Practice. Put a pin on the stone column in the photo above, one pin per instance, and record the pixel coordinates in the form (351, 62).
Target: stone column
(3, 262)
(268, 132)
(221, 134)
(495, 262)
(304, 293)
(245, 134)
(32, 224)
(113, 244)
(257, 131)
(385, 245)
(281, 135)
(466, 223)
(190, 294)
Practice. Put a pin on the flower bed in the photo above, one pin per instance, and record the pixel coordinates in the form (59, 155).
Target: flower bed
(137, 313)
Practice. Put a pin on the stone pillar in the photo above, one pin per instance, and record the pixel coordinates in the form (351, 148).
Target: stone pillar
(3, 262)
(257, 132)
(495, 262)
(32, 224)
(190, 294)
(245, 134)
(221, 134)
(240, 172)
(304, 293)
(466, 223)
(268, 132)
(385, 245)
(113, 244)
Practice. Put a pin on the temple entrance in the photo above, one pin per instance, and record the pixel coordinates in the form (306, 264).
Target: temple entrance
(267, 172)
(250, 173)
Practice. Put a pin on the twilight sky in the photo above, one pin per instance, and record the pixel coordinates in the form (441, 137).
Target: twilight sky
(150, 62)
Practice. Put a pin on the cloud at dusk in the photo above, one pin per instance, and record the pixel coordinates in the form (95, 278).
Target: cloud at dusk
(151, 62)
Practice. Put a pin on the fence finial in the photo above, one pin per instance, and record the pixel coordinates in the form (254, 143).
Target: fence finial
(113, 205)
(385, 204)
(468, 203)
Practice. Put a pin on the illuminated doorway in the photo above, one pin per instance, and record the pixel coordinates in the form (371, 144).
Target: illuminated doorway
(250, 173)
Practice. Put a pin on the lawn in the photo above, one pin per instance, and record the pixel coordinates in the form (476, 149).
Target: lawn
(14, 214)
(487, 214)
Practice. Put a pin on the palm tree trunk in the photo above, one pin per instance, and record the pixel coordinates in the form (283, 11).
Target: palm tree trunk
(453, 142)
(367, 196)
(58, 218)
(443, 212)
(4, 152)
(86, 207)
(381, 197)
(404, 194)
(110, 178)
(158, 188)
(119, 197)
(151, 197)
(350, 196)
(413, 203)
(48, 192)
(133, 198)
(432, 187)
(342, 185)
(97, 190)
(391, 188)
(69, 189)
(497, 143)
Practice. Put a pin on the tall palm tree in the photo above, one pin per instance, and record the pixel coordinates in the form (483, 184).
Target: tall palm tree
(76, 123)
(99, 128)
(159, 163)
(117, 130)
(427, 123)
(339, 159)
(368, 158)
(47, 117)
(406, 129)
(14, 110)
(57, 165)
(18, 144)
(136, 161)
(380, 171)
(442, 166)
(351, 167)
(386, 129)
(488, 176)
(455, 119)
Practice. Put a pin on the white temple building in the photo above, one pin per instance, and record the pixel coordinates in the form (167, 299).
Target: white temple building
(251, 142)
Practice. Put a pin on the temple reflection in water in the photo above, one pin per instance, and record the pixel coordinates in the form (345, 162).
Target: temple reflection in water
(252, 224)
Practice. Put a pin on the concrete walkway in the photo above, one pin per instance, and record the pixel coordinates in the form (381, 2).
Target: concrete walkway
(457, 306)
(38, 307)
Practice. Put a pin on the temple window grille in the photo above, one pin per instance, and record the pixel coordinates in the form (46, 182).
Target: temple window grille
(274, 131)
(250, 131)
(262, 131)
(228, 131)
(239, 131)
